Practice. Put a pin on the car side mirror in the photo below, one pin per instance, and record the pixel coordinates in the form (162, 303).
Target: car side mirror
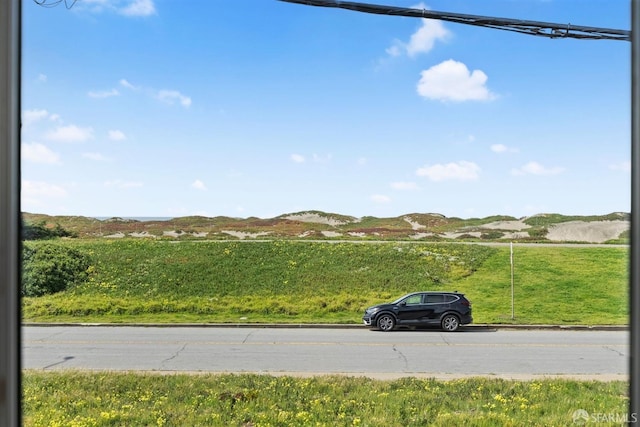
(403, 303)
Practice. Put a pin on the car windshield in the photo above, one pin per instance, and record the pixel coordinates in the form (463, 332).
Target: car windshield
(401, 298)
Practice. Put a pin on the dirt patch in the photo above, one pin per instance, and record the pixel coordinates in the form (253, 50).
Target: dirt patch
(591, 232)
(507, 225)
(317, 219)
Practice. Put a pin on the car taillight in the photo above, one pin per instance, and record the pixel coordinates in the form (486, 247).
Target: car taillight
(466, 302)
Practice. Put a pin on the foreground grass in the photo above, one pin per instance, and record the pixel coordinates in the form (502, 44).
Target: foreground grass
(312, 282)
(101, 399)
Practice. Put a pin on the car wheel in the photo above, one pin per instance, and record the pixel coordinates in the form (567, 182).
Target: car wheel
(386, 322)
(450, 323)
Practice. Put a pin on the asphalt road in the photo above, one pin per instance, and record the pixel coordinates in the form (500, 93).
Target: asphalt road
(299, 351)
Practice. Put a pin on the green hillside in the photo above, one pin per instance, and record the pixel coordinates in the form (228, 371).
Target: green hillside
(331, 282)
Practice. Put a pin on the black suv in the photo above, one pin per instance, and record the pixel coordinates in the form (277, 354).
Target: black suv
(447, 309)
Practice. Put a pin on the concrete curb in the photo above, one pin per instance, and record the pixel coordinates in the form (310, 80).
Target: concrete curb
(330, 326)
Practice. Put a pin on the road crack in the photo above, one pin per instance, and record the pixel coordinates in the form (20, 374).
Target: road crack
(613, 350)
(247, 337)
(406, 362)
(444, 339)
(176, 354)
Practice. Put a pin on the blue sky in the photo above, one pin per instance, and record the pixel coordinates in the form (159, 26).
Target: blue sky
(171, 108)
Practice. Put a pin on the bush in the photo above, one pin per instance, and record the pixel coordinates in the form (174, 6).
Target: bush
(40, 231)
(538, 233)
(49, 268)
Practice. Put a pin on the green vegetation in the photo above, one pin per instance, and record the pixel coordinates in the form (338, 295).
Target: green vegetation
(550, 219)
(323, 282)
(41, 231)
(106, 399)
(50, 268)
(552, 285)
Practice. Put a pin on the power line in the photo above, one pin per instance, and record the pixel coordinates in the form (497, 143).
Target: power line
(53, 3)
(534, 28)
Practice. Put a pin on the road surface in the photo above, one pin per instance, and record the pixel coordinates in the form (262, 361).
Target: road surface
(360, 352)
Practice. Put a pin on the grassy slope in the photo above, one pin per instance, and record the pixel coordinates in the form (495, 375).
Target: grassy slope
(552, 285)
(307, 282)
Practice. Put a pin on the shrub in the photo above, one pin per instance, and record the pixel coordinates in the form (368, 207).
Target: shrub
(538, 233)
(49, 268)
(40, 231)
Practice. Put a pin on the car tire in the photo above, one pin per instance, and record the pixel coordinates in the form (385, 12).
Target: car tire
(450, 323)
(386, 322)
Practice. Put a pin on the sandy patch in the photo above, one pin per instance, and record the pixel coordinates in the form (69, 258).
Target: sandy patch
(414, 225)
(331, 234)
(142, 234)
(507, 225)
(451, 235)
(317, 219)
(516, 235)
(177, 234)
(591, 232)
(242, 235)
(115, 236)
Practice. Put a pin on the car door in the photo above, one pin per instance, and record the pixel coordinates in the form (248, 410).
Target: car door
(434, 307)
(411, 309)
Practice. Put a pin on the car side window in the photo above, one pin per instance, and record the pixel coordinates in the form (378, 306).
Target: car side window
(434, 299)
(413, 300)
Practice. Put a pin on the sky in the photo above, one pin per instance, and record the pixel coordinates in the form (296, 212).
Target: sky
(259, 108)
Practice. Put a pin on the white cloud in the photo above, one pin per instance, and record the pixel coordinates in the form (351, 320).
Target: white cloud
(122, 184)
(116, 135)
(139, 8)
(32, 116)
(297, 158)
(404, 185)
(129, 8)
(451, 81)
(42, 78)
(395, 50)
(461, 171)
(171, 96)
(535, 168)
(199, 185)
(362, 161)
(501, 148)
(103, 93)
(380, 198)
(125, 83)
(95, 156)
(322, 159)
(423, 40)
(31, 189)
(38, 153)
(71, 133)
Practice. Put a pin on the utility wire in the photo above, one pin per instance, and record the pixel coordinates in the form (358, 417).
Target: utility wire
(534, 28)
(53, 3)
